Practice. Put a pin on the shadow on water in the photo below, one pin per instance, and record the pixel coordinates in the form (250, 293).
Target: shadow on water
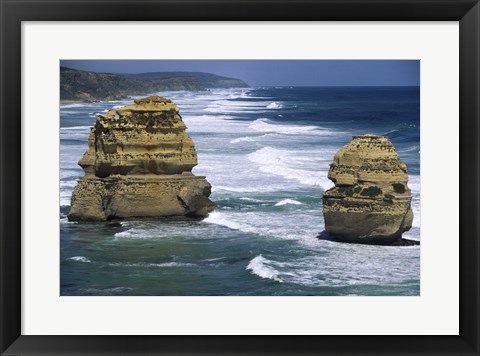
(372, 241)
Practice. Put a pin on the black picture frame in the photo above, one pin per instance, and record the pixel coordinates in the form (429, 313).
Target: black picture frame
(13, 12)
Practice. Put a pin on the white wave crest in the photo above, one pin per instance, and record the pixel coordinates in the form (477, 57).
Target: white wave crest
(411, 149)
(243, 139)
(259, 266)
(222, 219)
(285, 164)
(255, 138)
(132, 233)
(233, 189)
(274, 105)
(67, 106)
(288, 202)
(251, 200)
(75, 128)
(80, 259)
(152, 265)
(264, 125)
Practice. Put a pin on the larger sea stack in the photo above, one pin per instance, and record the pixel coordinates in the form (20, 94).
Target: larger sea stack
(138, 165)
(371, 200)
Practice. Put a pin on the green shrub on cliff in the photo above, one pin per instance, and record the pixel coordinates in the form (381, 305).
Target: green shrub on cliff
(371, 192)
(348, 191)
(398, 187)
(388, 198)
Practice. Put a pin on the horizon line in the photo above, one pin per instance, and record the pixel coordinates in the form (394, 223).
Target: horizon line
(252, 86)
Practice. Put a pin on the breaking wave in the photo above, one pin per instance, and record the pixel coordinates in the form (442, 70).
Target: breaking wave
(288, 202)
(259, 266)
(274, 105)
(80, 259)
(265, 125)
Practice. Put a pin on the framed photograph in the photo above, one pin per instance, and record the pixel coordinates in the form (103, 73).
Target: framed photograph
(240, 178)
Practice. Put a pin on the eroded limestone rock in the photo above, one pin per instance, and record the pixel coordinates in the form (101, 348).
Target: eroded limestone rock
(138, 165)
(371, 199)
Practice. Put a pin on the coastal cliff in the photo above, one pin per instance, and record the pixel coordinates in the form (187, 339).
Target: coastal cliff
(138, 165)
(79, 85)
(371, 200)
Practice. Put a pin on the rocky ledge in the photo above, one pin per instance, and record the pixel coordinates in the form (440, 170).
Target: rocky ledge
(138, 165)
(370, 202)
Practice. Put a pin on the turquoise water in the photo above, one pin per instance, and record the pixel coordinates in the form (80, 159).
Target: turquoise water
(266, 152)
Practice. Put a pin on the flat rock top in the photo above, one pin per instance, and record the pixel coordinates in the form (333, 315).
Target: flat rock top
(370, 136)
(368, 159)
(151, 103)
(367, 147)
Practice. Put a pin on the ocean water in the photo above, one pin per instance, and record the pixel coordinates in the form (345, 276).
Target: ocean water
(266, 152)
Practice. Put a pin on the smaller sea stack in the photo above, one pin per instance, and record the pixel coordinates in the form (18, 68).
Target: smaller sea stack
(138, 165)
(370, 202)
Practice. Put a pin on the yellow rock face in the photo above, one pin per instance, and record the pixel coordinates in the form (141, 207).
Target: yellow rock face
(147, 137)
(371, 199)
(138, 165)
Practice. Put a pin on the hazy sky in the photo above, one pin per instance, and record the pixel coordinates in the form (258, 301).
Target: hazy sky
(275, 72)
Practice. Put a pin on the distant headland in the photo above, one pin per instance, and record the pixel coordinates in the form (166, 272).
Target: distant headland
(83, 86)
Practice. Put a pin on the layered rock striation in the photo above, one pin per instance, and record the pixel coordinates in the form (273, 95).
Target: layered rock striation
(371, 200)
(138, 165)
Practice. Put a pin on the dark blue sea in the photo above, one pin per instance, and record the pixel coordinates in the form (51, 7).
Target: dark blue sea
(266, 152)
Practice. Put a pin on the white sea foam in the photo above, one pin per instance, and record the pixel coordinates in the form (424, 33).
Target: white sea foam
(411, 149)
(70, 112)
(235, 189)
(133, 233)
(75, 133)
(265, 125)
(274, 105)
(390, 132)
(67, 106)
(240, 104)
(213, 124)
(68, 184)
(65, 198)
(259, 266)
(288, 202)
(236, 106)
(75, 128)
(243, 139)
(300, 227)
(152, 265)
(80, 259)
(251, 200)
(286, 164)
(255, 138)
(76, 136)
(414, 185)
(222, 219)
(64, 220)
(328, 268)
